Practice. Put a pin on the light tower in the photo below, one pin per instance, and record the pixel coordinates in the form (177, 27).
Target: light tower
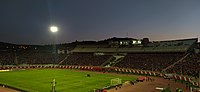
(54, 30)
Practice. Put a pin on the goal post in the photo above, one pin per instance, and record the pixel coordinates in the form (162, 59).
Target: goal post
(115, 81)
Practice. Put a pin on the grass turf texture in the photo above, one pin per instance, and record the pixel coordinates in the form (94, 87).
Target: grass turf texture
(39, 80)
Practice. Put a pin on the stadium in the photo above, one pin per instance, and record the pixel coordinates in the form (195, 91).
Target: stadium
(110, 65)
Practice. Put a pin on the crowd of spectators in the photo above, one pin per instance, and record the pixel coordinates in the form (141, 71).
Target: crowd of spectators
(6, 58)
(47, 57)
(189, 66)
(153, 62)
(29, 57)
(142, 61)
(86, 59)
(39, 57)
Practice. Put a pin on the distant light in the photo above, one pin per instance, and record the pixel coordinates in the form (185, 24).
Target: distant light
(139, 42)
(121, 42)
(134, 42)
(54, 29)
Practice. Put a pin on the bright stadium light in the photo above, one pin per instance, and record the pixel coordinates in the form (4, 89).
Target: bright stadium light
(53, 29)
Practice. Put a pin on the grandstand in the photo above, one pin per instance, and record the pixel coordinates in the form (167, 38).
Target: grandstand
(172, 56)
(113, 52)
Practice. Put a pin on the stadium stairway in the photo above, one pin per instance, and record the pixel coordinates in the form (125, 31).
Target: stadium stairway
(180, 60)
(107, 61)
(61, 62)
(112, 61)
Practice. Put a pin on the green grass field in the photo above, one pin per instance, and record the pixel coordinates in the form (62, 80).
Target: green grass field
(39, 80)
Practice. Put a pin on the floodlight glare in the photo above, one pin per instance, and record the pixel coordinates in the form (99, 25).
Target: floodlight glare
(54, 29)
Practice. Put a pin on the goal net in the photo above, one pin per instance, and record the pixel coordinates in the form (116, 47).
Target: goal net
(116, 81)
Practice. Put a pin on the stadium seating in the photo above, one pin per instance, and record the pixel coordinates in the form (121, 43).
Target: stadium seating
(155, 62)
(7, 58)
(189, 66)
(86, 59)
(39, 57)
(156, 56)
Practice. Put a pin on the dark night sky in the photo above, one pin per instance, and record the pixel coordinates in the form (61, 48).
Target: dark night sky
(28, 21)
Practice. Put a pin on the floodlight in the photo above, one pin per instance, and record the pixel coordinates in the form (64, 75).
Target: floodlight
(53, 29)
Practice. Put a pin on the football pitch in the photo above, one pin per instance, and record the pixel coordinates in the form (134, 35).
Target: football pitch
(39, 80)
